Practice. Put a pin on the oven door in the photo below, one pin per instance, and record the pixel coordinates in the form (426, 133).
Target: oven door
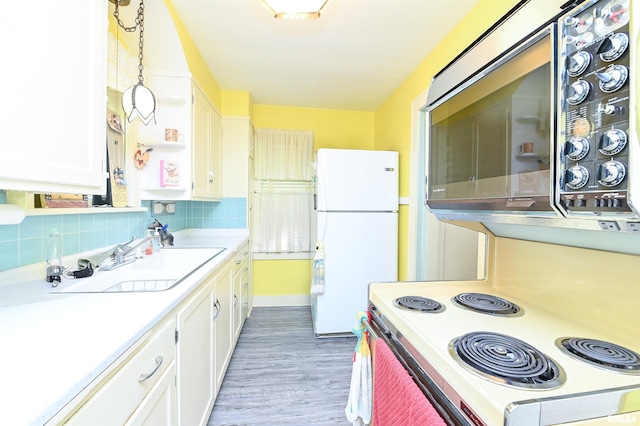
(490, 141)
(419, 370)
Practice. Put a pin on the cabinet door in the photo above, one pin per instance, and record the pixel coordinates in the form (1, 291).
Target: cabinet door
(159, 407)
(245, 294)
(54, 102)
(195, 359)
(201, 135)
(223, 323)
(215, 154)
(207, 148)
(237, 305)
(118, 398)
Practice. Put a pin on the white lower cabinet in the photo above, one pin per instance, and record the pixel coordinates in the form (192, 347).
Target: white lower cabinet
(159, 407)
(195, 357)
(240, 290)
(172, 375)
(223, 323)
(123, 393)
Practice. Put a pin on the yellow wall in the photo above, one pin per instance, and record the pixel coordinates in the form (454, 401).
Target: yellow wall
(198, 67)
(393, 118)
(332, 128)
(389, 128)
(281, 277)
(237, 103)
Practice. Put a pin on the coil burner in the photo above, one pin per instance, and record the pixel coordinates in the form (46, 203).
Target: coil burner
(506, 360)
(601, 354)
(487, 304)
(418, 304)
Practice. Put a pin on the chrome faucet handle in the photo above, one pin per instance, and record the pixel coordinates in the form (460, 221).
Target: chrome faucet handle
(118, 254)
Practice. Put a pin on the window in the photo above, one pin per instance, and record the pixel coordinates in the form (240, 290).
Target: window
(284, 191)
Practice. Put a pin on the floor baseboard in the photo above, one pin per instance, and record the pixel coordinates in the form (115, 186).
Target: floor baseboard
(283, 300)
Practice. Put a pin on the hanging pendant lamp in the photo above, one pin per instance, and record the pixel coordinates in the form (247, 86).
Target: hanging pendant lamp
(138, 100)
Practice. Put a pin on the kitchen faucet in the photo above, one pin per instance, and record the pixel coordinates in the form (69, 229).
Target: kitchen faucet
(122, 252)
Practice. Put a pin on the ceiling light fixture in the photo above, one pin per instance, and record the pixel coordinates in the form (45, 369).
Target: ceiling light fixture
(138, 100)
(295, 9)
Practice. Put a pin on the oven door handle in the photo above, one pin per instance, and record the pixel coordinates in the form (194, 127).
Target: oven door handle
(369, 329)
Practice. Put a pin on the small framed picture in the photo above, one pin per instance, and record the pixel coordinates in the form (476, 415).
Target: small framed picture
(64, 200)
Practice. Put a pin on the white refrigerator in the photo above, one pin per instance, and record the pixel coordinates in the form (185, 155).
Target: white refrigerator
(357, 223)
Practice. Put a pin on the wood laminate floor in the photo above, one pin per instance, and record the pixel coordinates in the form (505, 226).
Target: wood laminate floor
(281, 375)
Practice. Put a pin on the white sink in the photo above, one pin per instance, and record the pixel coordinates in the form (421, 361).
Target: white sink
(160, 271)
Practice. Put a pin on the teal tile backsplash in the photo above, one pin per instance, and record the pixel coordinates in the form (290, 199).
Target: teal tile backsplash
(25, 243)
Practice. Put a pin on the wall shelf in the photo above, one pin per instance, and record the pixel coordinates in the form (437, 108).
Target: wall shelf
(165, 189)
(83, 210)
(168, 145)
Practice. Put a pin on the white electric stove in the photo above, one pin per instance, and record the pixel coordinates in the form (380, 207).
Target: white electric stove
(456, 345)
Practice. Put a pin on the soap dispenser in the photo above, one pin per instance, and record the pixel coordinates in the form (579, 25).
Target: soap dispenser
(54, 258)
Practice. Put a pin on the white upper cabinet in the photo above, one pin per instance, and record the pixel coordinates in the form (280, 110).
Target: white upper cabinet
(54, 99)
(207, 148)
(195, 157)
(181, 105)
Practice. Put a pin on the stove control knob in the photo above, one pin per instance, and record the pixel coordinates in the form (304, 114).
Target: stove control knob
(576, 92)
(613, 47)
(613, 78)
(612, 142)
(610, 109)
(611, 173)
(572, 21)
(576, 148)
(577, 63)
(576, 177)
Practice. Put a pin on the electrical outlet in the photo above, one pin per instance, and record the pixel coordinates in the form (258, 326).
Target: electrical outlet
(158, 208)
(608, 225)
(632, 227)
(164, 207)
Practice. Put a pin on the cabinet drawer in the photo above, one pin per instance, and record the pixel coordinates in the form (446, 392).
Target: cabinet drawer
(237, 262)
(114, 402)
(241, 259)
(245, 253)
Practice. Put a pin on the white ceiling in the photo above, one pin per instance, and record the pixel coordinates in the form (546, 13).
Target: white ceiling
(352, 58)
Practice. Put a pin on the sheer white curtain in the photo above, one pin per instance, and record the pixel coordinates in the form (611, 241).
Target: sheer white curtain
(284, 190)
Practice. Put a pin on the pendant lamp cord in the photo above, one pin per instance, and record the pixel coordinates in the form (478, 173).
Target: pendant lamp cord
(139, 22)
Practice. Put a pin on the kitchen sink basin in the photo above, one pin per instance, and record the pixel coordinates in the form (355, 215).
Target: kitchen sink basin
(122, 280)
(158, 272)
(142, 285)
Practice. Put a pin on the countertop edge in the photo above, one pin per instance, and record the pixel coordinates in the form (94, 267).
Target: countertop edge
(26, 406)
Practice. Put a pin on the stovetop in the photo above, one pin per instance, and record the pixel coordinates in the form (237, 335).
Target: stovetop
(434, 334)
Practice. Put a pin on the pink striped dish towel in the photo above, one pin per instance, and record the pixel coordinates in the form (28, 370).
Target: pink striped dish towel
(397, 400)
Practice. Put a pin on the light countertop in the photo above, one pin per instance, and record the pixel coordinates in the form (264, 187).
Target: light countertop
(55, 344)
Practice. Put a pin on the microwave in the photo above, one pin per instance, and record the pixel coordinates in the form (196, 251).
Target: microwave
(535, 118)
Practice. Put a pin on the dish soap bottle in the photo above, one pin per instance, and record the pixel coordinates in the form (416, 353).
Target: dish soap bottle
(54, 258)
(151, 239)
(317, 283)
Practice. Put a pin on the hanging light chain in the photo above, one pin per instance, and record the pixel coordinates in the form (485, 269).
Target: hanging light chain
(139, 22)
(116, 14)
(141, 42)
